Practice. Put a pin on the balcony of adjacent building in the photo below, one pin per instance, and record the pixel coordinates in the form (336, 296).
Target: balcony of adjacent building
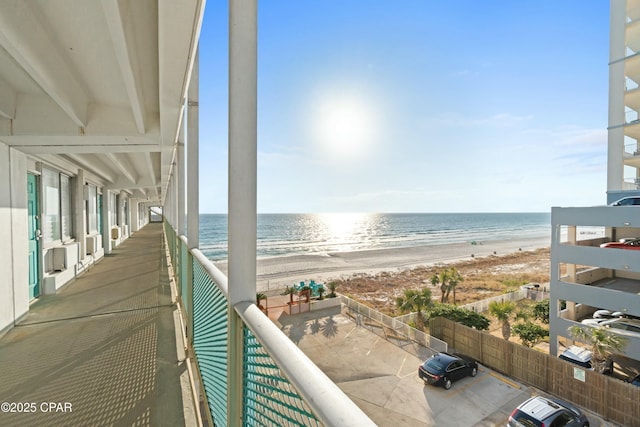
(631, 165)
(586, 277)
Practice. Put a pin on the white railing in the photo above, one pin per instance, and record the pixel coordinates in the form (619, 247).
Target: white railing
(632, 149)
(396, 325)
(633, 15)
(324, 397)
(329, 404)
(630, 116)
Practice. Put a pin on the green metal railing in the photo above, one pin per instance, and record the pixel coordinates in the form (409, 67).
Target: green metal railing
(269, 397)
(210, 336)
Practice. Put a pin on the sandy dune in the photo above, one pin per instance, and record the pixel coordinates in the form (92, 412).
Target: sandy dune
(278, 272)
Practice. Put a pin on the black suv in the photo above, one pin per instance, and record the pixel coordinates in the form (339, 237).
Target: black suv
(541, 411)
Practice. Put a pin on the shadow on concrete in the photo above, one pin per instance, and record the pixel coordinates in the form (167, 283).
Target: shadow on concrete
(102, 351)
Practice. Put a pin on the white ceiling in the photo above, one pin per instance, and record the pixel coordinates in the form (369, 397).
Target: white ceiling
(98, 85)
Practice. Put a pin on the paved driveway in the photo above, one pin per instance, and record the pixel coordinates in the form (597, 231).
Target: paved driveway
(381, 377)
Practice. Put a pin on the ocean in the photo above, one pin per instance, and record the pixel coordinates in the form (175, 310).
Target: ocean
(298, 234)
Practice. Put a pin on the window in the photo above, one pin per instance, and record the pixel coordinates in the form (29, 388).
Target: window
(57, 224)
(65, 208)
(100, 213)
(564, 419)
(51, 206)
(113, 209)
(92, 218)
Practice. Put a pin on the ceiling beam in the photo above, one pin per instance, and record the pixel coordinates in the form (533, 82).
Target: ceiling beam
(7, 100)
(143, 183)
(84, 149)
(26, 39)
(123, 165)
(126, 56)
(92, 166)
(150, 169)
(63, 164)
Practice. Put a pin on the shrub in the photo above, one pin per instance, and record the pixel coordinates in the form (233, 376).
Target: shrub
(530, 333)
(541, 311)
(460, 315)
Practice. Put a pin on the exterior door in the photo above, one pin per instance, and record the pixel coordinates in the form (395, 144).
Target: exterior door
(34, 237)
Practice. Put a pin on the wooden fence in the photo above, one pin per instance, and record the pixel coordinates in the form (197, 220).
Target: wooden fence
(610, 397)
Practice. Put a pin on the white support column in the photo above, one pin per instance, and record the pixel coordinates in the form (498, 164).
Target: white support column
(80, 215)
(166, 210)
(106, 221)
(134, 211)
(129, 216)
(193, 171)
(617, 52)
(174, 199)
(179, 170)
(193, 188)
(242, 183)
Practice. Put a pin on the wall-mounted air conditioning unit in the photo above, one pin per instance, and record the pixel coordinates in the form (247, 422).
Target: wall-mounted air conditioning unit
(59, 259)
(115, 233)
(92, 245)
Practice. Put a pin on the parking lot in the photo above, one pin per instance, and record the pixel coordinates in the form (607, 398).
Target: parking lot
(380, 376)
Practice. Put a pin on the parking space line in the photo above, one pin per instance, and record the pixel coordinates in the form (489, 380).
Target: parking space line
(349, 333)
(505, 380)
(401, 366)
(374, 344)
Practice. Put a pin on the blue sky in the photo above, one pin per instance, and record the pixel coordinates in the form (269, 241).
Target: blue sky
(416, 106)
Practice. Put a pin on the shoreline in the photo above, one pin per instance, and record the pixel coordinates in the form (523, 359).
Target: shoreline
(276, 273)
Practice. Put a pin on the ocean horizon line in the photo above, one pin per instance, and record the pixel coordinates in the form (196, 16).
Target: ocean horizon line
(291, 234)
(388, 213)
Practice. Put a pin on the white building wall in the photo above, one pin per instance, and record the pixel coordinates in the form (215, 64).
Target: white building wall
(19, 230)
(14, 269)
(617, 52)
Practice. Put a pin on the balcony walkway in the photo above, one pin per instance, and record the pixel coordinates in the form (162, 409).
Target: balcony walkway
(103, 350)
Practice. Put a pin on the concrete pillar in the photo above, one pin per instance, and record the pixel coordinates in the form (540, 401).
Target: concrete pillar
(193, 187)
(80, 213)
(193, 143)
(242, 183)
(107, 221)
(134, 210)
(179, 171)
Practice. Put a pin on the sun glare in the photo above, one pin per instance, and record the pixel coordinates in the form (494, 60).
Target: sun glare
(344, 126)
(346, 230)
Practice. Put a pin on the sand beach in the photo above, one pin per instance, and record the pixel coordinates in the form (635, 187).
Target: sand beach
(275, 273)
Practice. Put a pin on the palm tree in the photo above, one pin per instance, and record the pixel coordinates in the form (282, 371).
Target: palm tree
(332, 289)
(415, 300)
(440, 279)
(305, 292)
(290, 290)
(259, 298)
(603, 343)
(454, 279)
(502, 311)
(448, 279)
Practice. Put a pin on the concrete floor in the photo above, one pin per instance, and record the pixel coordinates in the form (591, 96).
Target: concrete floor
(103, 350)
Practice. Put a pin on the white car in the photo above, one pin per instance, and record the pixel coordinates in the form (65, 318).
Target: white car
(627, 201)
(607, 314)
(577, 355)
(620, 325)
